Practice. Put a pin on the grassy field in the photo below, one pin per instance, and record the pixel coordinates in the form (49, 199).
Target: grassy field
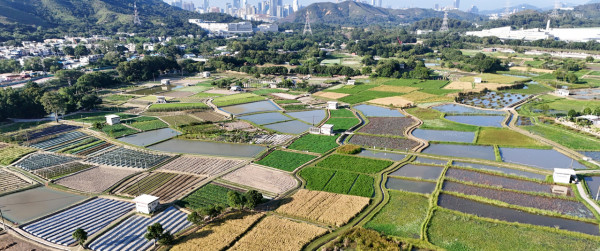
(493, 78)
(531, 89)
(454, 231)
(341, 182)
(11, 154)
(118, 130)
(366, 96)
(342, 124)
(402, 216)
(505, 137)
(433, 119)
(314, 143)
(353, 164)
(563, 104)
(237, 99)
(565, 137)
(207, 195)
(178, 120)
(287, 161)
(20, 126)
(171, 107)
(342, 113)
(117, 98)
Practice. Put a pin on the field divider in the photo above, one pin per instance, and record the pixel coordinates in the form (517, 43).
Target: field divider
(433, 200)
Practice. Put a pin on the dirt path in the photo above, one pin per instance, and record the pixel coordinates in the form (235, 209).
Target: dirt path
(587, 199)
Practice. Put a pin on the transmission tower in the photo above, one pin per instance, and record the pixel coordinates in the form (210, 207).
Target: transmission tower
(445, 23)
(307, 28)
(136, 16)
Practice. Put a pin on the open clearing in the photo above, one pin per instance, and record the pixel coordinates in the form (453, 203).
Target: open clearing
(505, 137)
(469, 86)
(8, 242)
(264, 179)
(330, 208)
(398, 89)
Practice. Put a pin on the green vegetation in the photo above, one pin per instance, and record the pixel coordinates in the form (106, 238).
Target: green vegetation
(402, 216)
(314, 143)
(207, 195)
(11, 154)
(363, 186)
(53, 173)
(117, 98)
(285, 101)
(353, 164)
(341, 113)
(116, 131)
(565, 137)
(493, 78)
(531, 89)
(149, 125)
(20, 126)
(178, 120)
(342, 124)
(456, 231)
(96, 117)
(287, 161)
(237, 99)
(338, 181)
(366, 96)
(263, 92)
(170, 107)
(505, 137)
(433, 119)
(349, 149)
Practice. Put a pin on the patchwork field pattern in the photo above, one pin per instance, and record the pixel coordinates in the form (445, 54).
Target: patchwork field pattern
(95, 180)
(124, 157)
(9, 154)
(387, 126)
(55, 172)
(274, 233)
(201, 166)
(330, 208)
(287, 161)
(338, 181)
(166, 186)
(263, 179)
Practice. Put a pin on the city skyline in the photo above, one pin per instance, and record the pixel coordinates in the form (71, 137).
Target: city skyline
(464, 4)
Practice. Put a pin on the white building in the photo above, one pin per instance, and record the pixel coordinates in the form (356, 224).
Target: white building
(562, 92)
(562, 34)
(161, 100)
(563, 175)
(206, 74)
(223, 28)
(351, 82)
(332, 105)
(113, 119)
(146, 204)
(326, 129)
(595, 120)
(165, 82)
(272, 27)
(477, 80)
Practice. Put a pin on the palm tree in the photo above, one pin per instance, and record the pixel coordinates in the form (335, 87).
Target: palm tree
(80, 236)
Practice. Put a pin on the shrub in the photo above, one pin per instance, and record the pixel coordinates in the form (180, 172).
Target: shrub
(349, 149)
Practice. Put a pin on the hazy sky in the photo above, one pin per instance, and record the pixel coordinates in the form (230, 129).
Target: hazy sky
(464, 4)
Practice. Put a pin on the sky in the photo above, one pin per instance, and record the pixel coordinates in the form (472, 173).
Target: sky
(464, 4)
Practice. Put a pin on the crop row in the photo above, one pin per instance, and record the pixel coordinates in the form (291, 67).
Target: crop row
(338, 181)
(383, 142)
(123, 157)
(387, 126)
(353, 164)
(61, 170)
(201, 166)
(171, 107)
(272, 139)
(10, 154)
(10, 182)
(49, 131)
(237, 99)
(144, 183)
(59, 140)
(498, 181)
(95, 180)
(261, 178)
(314, 143)
(210, 194)
(287, 161)
(43, 160)
(178, 120)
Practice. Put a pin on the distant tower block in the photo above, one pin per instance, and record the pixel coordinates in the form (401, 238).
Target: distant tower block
(554, 13)
(136, 16)
(445, 27)
(307, 28)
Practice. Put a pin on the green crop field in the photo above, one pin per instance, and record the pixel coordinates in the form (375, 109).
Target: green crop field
(433, 119)
(149, 125)
(455, 231)
(342, 124)
(268, 91)
(352, 89)
(11, 154)
(20, 126)
(118, 130)
(531, 89)
(505, 137)
(314, 143)
(563, 104)
(280, 101)
(565, 137)
(117, 98)
(402, 216)
(149, 183)
(170, 107)
(237, 99)
(287, 161)
(342, 113)
(207, 195)
(178, 120)
(366, 96)
(353, 164)
(338, 181)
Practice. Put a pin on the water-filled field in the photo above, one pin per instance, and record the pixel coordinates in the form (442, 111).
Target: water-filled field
(449, 136)
(208, 148)
(265, 118)
(150, 137)
(500, 170)
(463, 151)
(410, 185)
(540, 158)
(487, 121)
(261, 106)
(382, 155)
(421, 172)
(291, 127)
(494, 100)
(312, 117)
(31, 204)
(461, 110)
(377, 111)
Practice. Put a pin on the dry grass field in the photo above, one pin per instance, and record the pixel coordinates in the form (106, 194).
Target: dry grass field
(275, 233)
(527, 69)
(394, 101)
(398, 89)
(418, 96)
(330, 208)
(331, 95)
(469, 86)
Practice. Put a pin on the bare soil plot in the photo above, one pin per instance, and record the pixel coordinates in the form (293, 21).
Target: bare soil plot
(330, 208)
(285, 96)
(95, 180)
(239, 125)
(201, 166)
(31, 204)
(393, 101)
(176, 94)
(275, 233)
(527, 69)
(216, 91)
(9, 242)
(11, 182)
(391, 88)
(331, 95)
(208, 116)
(166, 186)
(419, 96)
(387, 126)
(469, 86)
(263, 179)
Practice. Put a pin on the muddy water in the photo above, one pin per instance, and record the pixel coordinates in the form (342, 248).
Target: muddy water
(208, 148)
(410, 186)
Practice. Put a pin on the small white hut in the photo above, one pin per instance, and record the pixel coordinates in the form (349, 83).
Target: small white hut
(161, 100)
(332, 105)
(563, 175)
(113, 119)
(165, 82)
(327, 129)
(477, 80)
(146, 204)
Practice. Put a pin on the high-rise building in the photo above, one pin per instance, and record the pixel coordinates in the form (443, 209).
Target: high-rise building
(205, 5)
(295, 6)
(177, 3)
(373, 2)
(189, 6)
(380, 4)
(273, 8)
(236, 4)
(456, 4)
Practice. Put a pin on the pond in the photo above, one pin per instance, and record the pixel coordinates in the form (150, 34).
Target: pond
(512, 215)
(155, 90)
(31, 204)
(410, 185)
(595, 155)
(462, 151)
(503, 170)
(586, 94)
(377, 111)
(208, 148)
(421, 172)
(265, 118)
(514, 75)
(461, 109)
(149, 138)
(540, 158)
(312, 117)
(290, 127)
(494, 100)
(450, 136)
(487, 121)
(593, 184)
(382, 155)
(423, 160)
(260, 106)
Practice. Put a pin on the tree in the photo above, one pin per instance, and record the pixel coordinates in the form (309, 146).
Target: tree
(81, 50)
(89, 102)
(69, 76)
(253, 198)
(53, 103)
(559, 74)
(80, 236)
(572, 113)
(68, 50)
(367, 70)
(210, 211)
(235, 199)
(195, 218)
(587, 111)
(166, 238)
(589, 59)
(545, 108)
(154, 232)
(571, 78)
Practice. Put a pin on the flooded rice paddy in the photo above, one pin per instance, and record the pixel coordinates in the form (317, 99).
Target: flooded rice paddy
(448, 136)
(421, 172)
(410, 185)
(31, 204)
(149, 138)
(461, 110)
(423, 160)
(486, 121)
(260, 106)
(498, 181)
(463, 151)
(290, 127)
(208, 148)
(494, 100)
(312, 117)
(540, 158)
(503, 170)
(377, 111)
(265, 118)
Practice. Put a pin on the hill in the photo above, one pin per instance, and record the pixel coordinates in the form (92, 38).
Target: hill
(361, 14)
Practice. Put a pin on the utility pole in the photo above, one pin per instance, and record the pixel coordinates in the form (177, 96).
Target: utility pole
(307, 28)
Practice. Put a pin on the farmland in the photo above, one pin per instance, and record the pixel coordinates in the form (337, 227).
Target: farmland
(338, 181)
(383, 142)
(497, 181)
(210, 194)
(237, 99)
(435, 120)
(274, 233)
(505, 137)
(12, 243)
(342, 113)
(342, 124)
(179, 120)
(402, 216)
(9, 154)
(287, 161)
(329, 208)
(387, 126)
(91, 216)
(201, 166)
(353, 164)
(565, 137)
(95, 180)
(262, 179)
(55, 172)
(10, 182)
(166, 186)
(219, 234)
(171, 107)
(116, 131)
(124, 157)
(208, 116)
(43, 160)
(145, 123)
(314, 143)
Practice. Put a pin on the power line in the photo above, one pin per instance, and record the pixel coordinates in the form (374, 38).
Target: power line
(307, 28)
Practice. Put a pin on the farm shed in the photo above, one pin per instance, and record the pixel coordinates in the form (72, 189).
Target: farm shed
(113, 119)
(563, 175)
(146, 203)
(235, 88)
(206, 74)
(327, 129)
(165, 82)
(562, 92)
(161, 100)
(477, 80)
(332, 105)
(351, 82)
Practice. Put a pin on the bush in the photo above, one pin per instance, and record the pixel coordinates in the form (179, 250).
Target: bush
(349, 149)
